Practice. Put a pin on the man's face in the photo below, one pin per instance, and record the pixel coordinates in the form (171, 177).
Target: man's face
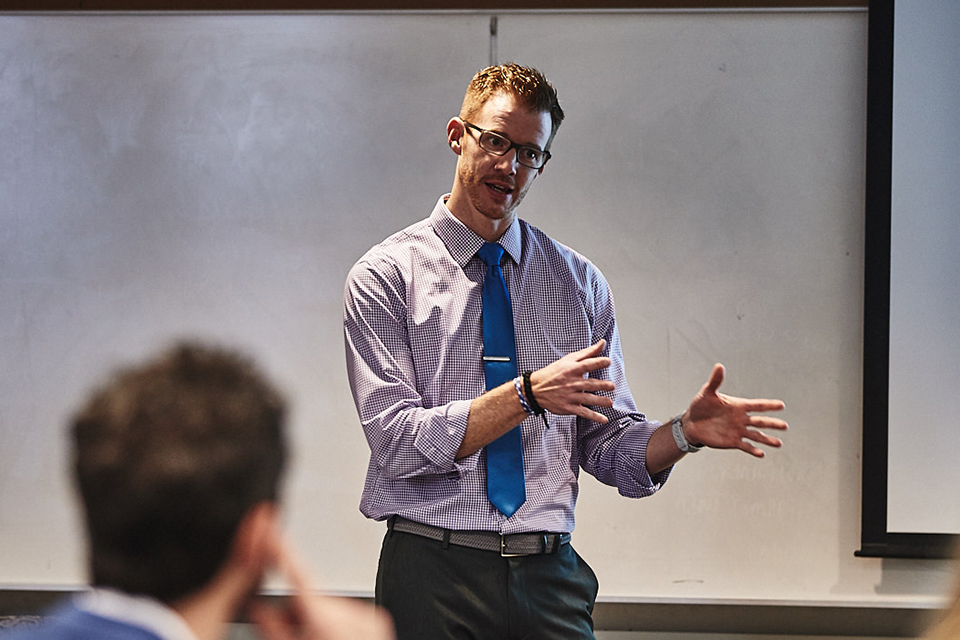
(490, 186)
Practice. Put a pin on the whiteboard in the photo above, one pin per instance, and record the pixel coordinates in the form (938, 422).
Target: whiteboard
(217, 175)
(211, 176)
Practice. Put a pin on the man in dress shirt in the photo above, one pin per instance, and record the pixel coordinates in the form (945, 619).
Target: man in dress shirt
(453, 565)
(178, 464)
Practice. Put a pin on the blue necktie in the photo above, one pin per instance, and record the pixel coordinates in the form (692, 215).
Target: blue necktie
(505, 487)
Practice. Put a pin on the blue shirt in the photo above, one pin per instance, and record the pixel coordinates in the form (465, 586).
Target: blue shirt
(413, 335)
(106, 614)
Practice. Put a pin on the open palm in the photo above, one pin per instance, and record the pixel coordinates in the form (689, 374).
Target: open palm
(720, 421)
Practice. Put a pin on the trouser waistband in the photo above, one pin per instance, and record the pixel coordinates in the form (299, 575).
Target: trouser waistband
(512, 544)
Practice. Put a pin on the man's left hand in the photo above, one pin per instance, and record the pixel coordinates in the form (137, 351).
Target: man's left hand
(720, 421)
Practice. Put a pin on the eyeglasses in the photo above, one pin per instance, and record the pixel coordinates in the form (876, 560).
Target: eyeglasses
(498, 145)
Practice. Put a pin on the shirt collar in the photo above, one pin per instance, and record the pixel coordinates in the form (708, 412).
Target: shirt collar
(462, 242)
(139, 611)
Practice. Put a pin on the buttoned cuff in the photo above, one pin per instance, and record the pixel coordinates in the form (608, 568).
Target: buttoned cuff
(440, 438)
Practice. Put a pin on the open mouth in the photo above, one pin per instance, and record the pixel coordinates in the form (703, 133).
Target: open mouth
(500, 188)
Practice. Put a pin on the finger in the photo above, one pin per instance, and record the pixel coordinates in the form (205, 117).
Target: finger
(571, 403)
(596, 384)
(768, 422)
(289, 565)
(763, 438)
(588, 413)
(715, 380)
(593, 350)
(752, 450)
(762, 405)
(590, 399)
(592, 364)
(270, 621)
(291, 569)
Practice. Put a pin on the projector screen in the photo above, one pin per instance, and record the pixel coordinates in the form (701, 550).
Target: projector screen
(913, 259)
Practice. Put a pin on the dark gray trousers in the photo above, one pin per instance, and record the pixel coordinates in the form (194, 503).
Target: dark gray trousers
(437, 592)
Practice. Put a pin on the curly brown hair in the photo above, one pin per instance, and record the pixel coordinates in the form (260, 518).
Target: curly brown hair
(527, 84)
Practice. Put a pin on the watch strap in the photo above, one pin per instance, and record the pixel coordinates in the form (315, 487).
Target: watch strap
(683, 444)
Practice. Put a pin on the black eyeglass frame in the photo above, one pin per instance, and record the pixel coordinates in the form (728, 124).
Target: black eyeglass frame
(513, 145)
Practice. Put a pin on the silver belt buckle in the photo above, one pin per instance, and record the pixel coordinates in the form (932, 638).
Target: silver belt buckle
(503, 548)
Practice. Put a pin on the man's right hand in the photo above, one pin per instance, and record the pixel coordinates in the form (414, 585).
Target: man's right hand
(564, 387)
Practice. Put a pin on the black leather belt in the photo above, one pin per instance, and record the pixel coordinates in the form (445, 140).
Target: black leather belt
(512, 544)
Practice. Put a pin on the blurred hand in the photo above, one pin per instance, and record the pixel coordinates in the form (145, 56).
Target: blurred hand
(311, 616)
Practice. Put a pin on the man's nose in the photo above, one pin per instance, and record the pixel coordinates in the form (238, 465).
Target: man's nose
(508, 161)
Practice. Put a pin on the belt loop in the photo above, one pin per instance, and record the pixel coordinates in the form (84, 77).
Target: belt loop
(445, 541)
(390, 522)
(556, 542)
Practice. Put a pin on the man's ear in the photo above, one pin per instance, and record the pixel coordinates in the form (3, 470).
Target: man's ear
(544, 166)
(455, 131)
(257, 537)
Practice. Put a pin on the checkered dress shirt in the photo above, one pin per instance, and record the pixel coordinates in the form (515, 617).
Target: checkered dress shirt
(414, 343)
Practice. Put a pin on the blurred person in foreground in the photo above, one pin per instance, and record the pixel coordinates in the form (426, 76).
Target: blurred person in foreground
(178, 464)
(946, 623)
